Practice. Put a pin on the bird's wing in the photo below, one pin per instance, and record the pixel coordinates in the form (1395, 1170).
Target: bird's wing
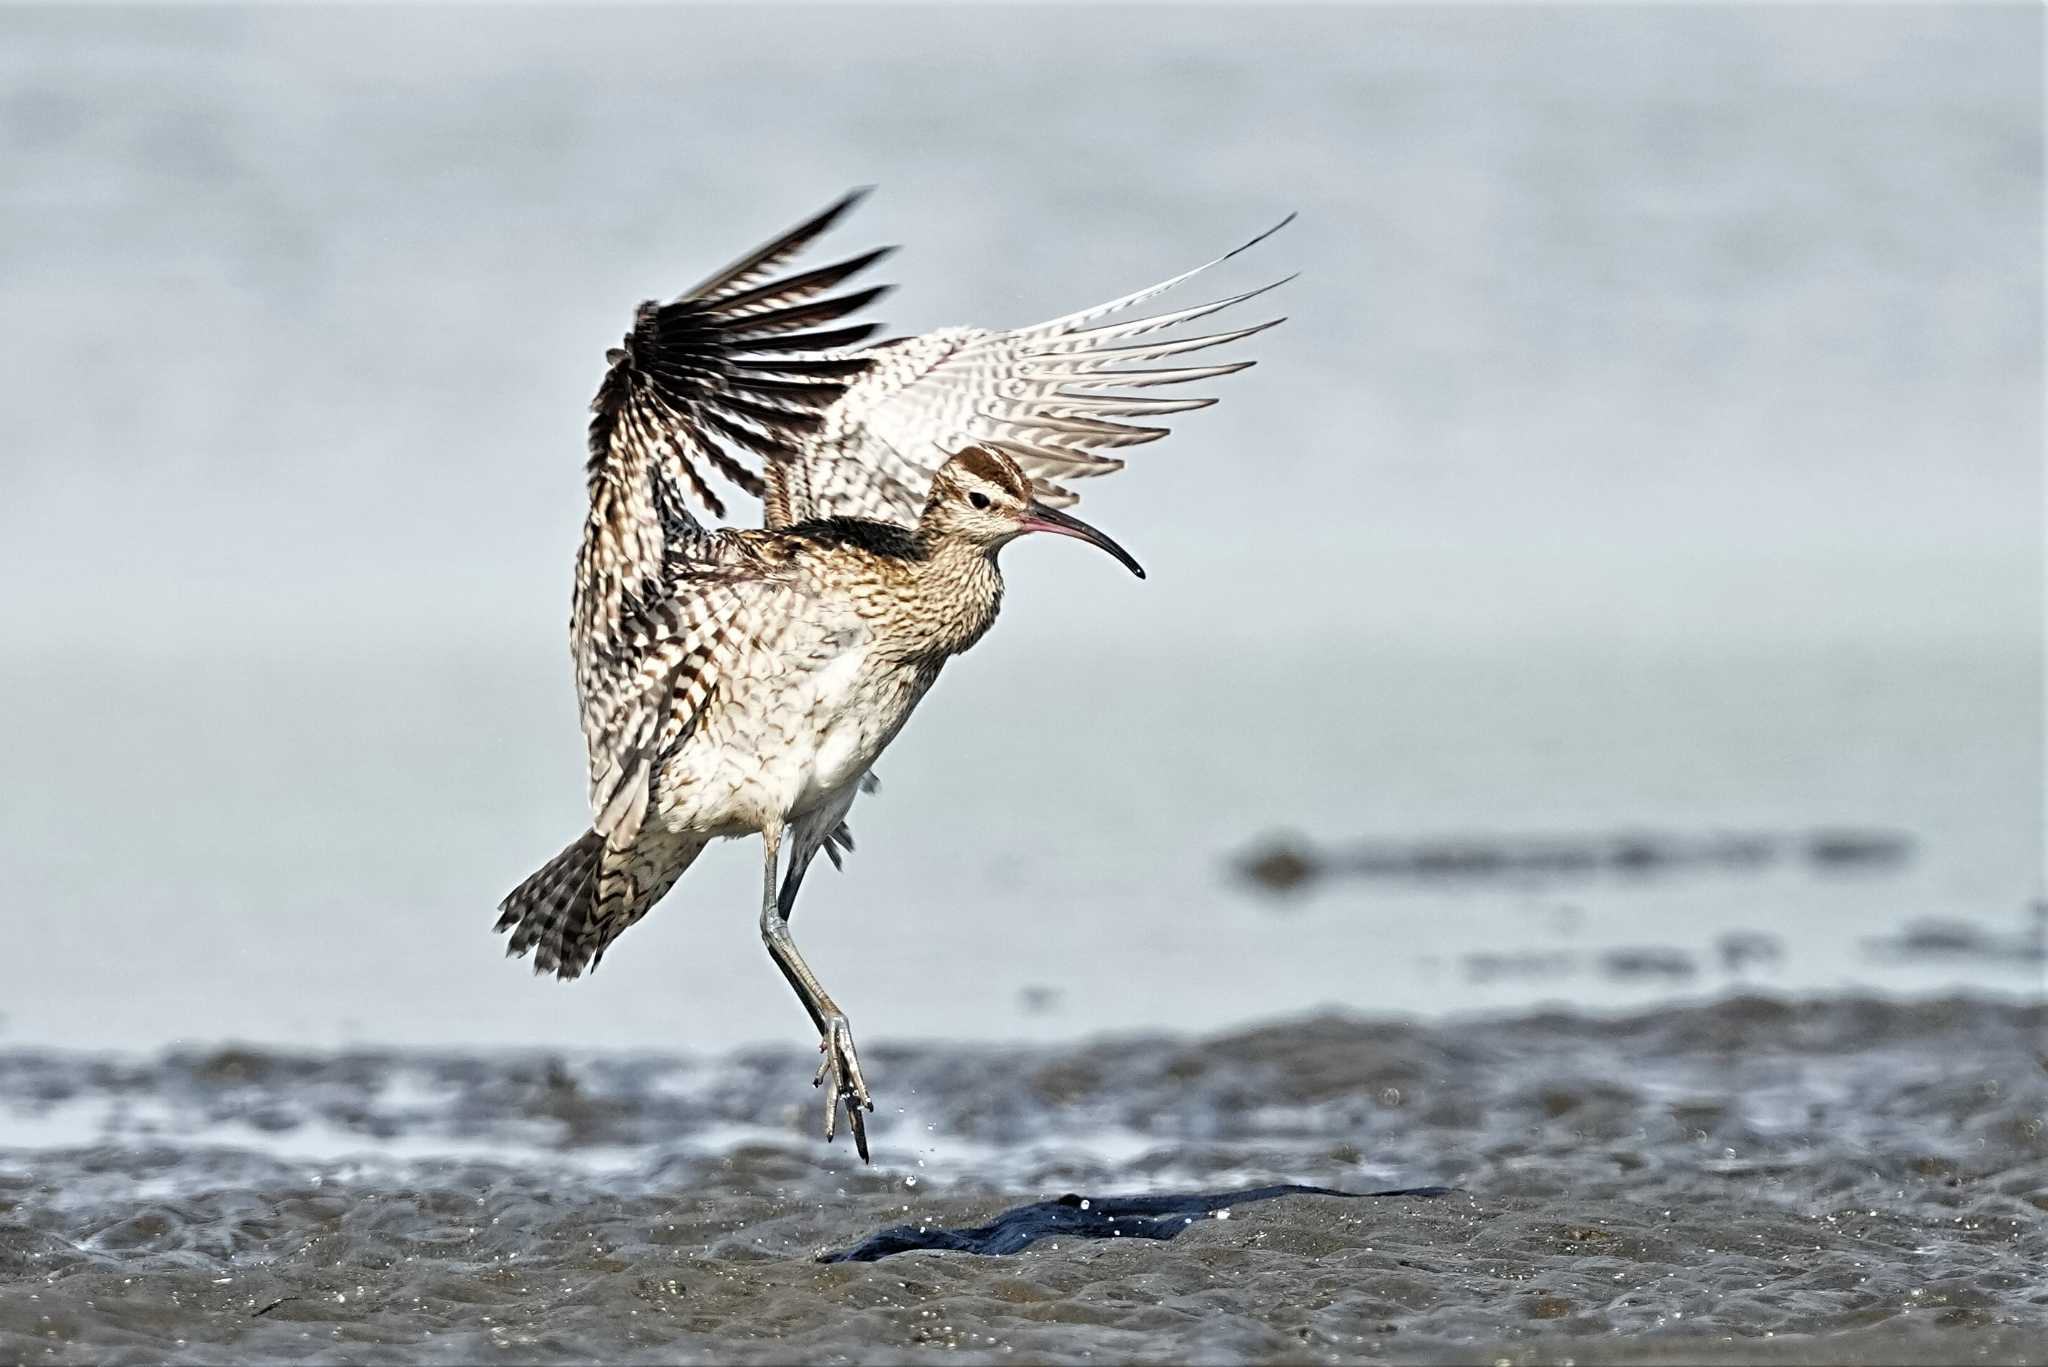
(1046, 395)
(647, 688)
(739, 365)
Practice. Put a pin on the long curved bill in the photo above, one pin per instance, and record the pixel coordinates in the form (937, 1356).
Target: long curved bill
(1039, 518)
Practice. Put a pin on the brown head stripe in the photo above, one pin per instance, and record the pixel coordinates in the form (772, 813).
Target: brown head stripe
(995, 467)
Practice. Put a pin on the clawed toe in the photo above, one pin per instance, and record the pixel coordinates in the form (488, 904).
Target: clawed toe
(841, 1067)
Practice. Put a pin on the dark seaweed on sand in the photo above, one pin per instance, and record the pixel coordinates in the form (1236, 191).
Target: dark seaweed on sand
(1082, 1217)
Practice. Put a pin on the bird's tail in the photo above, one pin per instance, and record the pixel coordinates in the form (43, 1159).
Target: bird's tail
(577, 903)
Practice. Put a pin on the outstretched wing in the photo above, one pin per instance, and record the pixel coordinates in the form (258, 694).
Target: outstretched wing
(740, 365)
(737, 365)
(1045, 395)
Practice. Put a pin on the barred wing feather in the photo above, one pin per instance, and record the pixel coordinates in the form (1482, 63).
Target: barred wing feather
(647, 693)
(1045, 395)
(740, 364)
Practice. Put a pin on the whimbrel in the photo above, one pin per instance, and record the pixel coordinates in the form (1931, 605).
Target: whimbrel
(743, 681)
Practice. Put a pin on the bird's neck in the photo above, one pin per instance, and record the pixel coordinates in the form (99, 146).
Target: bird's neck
(958, 592)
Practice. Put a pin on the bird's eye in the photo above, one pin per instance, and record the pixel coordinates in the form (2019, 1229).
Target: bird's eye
(978, 499)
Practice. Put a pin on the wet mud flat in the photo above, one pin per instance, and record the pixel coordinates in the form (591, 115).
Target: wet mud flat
(1751, 1180)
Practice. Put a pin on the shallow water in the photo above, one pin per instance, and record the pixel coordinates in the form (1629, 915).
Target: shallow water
(1738, 1178)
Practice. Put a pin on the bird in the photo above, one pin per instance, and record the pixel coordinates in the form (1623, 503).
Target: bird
(738, 681)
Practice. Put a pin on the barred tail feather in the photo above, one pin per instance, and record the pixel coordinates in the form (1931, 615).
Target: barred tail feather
(577, 903)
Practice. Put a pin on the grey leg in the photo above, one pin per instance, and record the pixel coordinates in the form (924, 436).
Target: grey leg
(835, 1034)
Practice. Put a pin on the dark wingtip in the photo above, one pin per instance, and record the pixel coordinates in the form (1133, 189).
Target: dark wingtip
(837, 210)
(1291, 215)
(843, 203)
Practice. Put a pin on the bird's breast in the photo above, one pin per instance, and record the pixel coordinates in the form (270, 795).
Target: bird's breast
(844, 715)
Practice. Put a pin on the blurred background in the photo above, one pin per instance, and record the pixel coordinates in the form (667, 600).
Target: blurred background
(1649, 469)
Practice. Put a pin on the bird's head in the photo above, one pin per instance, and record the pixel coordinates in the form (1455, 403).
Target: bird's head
(982, 497)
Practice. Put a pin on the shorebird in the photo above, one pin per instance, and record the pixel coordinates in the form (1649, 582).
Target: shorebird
(735, 682)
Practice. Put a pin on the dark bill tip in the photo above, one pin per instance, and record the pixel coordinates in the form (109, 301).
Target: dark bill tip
(1039, 518)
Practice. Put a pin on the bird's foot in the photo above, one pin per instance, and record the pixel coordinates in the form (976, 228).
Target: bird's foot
(842, 1069)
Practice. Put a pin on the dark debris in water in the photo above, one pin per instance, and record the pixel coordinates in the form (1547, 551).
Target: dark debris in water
(1939, 939)
(1649, 961)
(1490, 966)
(1739, 952)
(1742, 950)
(1085, 1217)
(1289, 864)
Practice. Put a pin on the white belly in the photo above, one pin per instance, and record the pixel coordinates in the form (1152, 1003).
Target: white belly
(844, 734)
(840, 725)
(790, 743)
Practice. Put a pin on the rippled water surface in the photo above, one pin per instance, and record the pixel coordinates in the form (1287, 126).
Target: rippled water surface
(1757, 1180)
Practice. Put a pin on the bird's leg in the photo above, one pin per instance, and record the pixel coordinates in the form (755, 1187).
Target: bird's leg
(835, 1034)
(793, 879)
